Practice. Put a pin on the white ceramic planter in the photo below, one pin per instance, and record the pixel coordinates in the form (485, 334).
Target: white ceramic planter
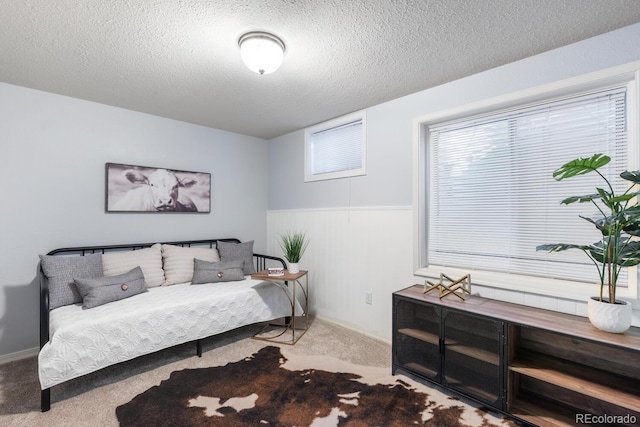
(607, 317)
(294, 268)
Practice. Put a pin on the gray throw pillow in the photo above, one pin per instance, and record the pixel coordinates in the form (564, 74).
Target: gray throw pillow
(61, 270)
(230, 251)
(101, 290)
(213, 272)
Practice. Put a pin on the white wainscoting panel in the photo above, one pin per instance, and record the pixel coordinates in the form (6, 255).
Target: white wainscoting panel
(351, 252)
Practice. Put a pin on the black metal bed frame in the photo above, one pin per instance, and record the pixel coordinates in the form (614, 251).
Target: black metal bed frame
(45, 395)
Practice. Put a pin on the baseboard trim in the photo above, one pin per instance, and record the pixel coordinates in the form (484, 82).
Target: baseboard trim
(18, 355)
(354, 328)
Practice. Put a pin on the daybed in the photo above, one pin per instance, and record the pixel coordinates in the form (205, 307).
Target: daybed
(102, 305)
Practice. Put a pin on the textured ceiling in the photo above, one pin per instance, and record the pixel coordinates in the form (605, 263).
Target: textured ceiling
(179, 59)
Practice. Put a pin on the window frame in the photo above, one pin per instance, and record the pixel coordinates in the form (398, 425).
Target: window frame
(328, 125)
(628, 74)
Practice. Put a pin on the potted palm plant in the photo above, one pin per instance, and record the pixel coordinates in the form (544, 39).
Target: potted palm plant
(619, 225)
(293, 246)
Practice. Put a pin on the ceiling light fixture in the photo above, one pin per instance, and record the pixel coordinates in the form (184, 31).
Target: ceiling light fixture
(261, 52)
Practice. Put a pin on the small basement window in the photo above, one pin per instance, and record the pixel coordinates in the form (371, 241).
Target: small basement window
(335, 149)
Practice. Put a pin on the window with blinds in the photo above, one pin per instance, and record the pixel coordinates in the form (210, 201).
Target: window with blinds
(491, 195)
(335, 149)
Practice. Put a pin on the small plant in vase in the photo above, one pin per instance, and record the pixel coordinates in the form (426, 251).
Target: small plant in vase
(293, 246)
(618, 247)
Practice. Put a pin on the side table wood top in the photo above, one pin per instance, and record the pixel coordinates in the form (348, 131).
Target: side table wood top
(264, 275)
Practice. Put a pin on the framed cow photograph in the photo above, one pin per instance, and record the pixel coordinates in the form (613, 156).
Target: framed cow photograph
(147, 189)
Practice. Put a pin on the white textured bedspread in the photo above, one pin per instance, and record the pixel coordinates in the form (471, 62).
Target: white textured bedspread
(86, 340)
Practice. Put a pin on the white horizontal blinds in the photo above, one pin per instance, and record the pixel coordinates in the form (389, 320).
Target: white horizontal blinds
(493, 198)
(337, 149)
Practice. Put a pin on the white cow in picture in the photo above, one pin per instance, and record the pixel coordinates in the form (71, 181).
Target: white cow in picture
(153, 190)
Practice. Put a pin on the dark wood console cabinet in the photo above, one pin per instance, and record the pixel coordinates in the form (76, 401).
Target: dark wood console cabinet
(544, 367)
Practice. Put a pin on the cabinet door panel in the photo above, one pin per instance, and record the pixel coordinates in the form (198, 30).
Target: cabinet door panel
(416, 344)
(471, 359)
(418, 356)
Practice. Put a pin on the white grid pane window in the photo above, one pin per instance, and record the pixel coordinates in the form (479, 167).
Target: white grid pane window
(335, 149)
(492, 196)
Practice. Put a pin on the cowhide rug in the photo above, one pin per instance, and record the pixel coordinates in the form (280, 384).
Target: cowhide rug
(270, 388)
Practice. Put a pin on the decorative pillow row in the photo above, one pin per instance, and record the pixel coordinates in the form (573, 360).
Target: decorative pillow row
(178, 265)
(101, 290)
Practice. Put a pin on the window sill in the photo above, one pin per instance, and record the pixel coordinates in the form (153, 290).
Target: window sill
(566, 289)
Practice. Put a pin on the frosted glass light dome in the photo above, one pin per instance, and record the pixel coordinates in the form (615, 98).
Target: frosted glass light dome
(261, 52)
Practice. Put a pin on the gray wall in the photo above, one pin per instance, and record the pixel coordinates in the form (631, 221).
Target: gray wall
(389, 126)
(53, 152)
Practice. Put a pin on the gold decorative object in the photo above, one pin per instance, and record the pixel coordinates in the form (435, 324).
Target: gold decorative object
(460, 288)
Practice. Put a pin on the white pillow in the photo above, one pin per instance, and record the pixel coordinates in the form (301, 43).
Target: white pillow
(178, 262)
(149, 260)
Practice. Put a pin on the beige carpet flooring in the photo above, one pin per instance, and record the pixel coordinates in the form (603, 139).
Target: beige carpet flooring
(91, 400)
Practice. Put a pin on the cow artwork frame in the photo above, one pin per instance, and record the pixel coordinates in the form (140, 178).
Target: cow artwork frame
(132, 188)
